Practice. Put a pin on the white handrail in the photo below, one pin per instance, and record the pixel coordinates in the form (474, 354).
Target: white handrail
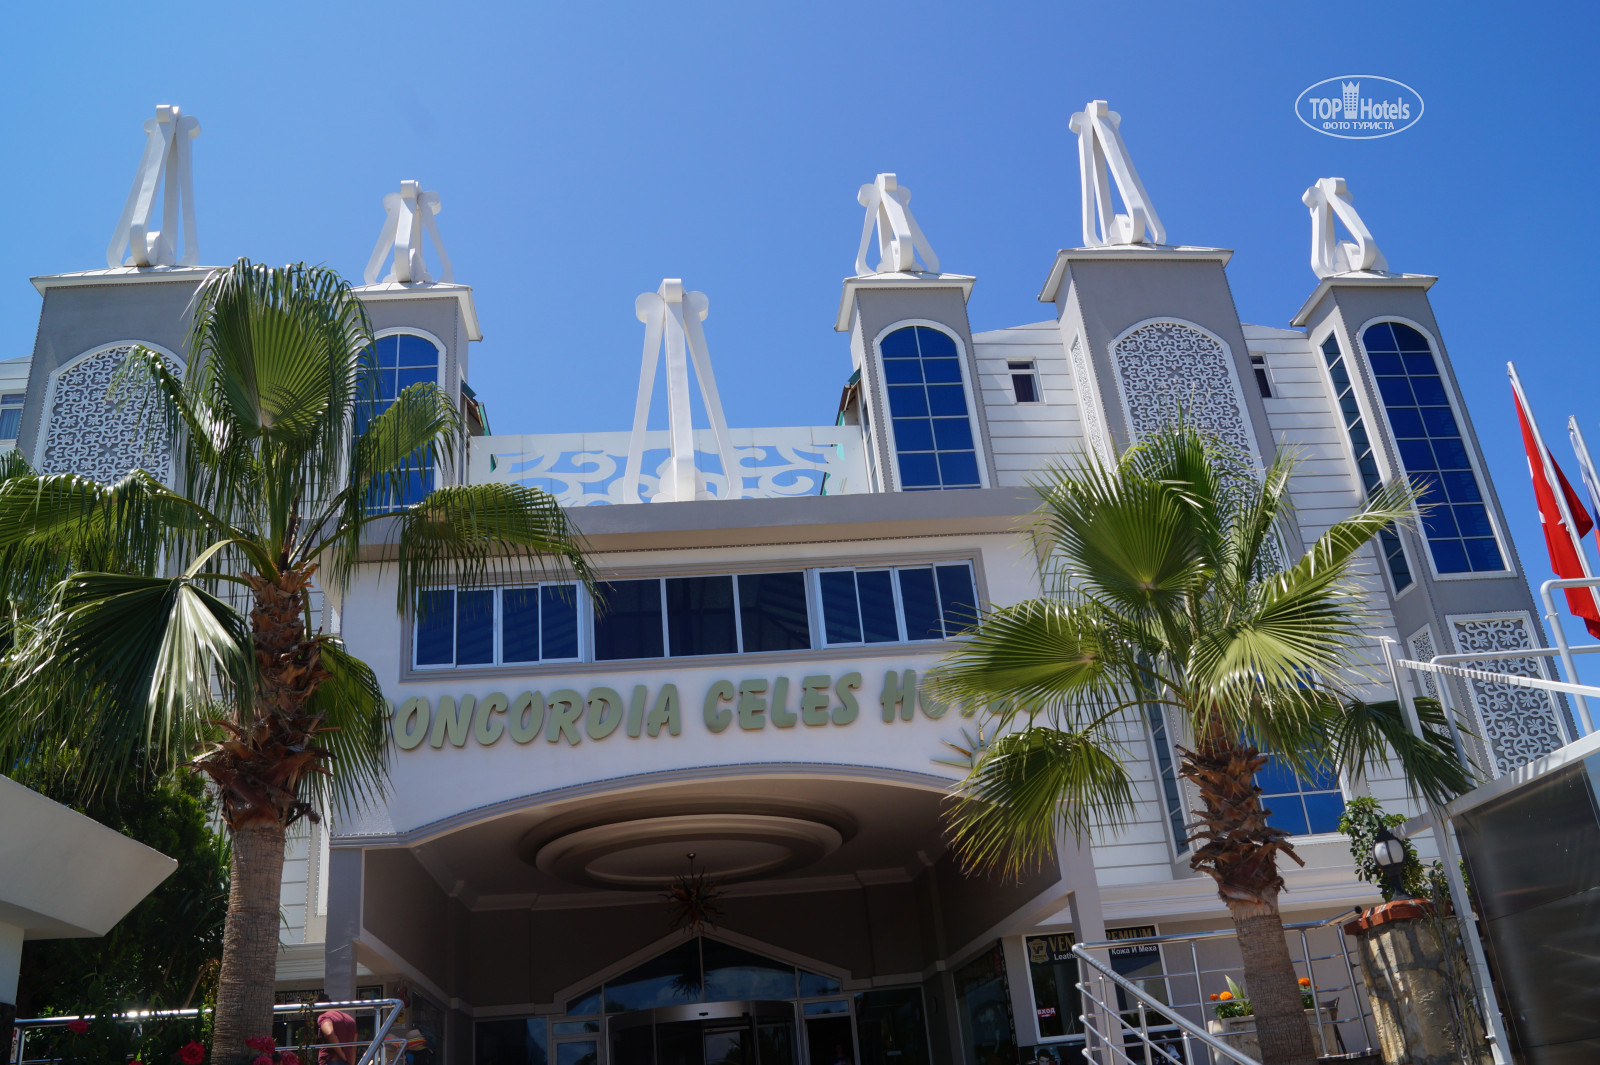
(1218, 1048)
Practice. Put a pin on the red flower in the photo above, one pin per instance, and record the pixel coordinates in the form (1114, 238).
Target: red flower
(78, 1027)
(288, 1057)
(262, 1059)
(263, 1043)
(191, 1053)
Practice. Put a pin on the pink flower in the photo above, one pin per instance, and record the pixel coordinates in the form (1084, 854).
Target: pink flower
(288, 1057)
(262, 1059)
(191, 1053)
(78, 1027)
(263, 1043)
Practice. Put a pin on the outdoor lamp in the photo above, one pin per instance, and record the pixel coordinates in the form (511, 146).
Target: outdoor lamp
(1389, 852)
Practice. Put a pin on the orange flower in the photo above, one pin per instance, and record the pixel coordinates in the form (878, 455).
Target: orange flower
(1213, 998)
(1305, 981)
(1226, 996)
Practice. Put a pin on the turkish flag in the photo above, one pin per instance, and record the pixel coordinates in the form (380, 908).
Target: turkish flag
(1561, 542)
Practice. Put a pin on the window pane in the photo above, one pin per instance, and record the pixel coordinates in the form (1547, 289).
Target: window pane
(919, 470)
(436, 628)
(415, 375)
(388, 349)
(934, 344)
(812, 984)
(1322, 811)
(1484, 556)
(1449, 556)
(902, 371)
(1440, 421)
(941, 371)
(1407, 422)
(907, 401)
(520, 1041)
(558, 612)
(1379, 338)
(1407, 338)
(665, 980)
(1023, 388)
(877, 606)
(772, 612)
(900, 344)
(920, 603)
(576, 1053)
(946, 399)
(913, 434)
(1286, 813)
(1388, 363)
(10, 422)
(733, 974)
(587, 1005)
(959, 469)
(953, 434)
(519, 625)
(700, 616)
(957, 602)
(474, 628)
(841, 621)
(627, 620)
(1429, 391)
(416, 351)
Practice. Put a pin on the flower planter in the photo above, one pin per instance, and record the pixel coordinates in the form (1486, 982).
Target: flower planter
(1240, 1032)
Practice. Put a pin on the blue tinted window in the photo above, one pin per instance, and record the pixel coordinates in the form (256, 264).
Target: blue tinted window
(436, 629)
(928, 406)
(1394, 555)
(1170, 791)
(394, 363)
(841, 613)
(1432, 450)
(627, 621)
(558, 621)
(474, 628)
(700, 616)
(933, 603)
(772, 612)
(1300, 804)
(958, 603)
(519, 625)
(878, 623)
(11, 414)
(920, 600)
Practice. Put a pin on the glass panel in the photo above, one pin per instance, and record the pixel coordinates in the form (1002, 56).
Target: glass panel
(946, 399)
(575, 1027)
(913, 434)
(665, 980)
(732, 973)
(941, 371)
(908, 401)
(775, 1044)
(558, 614)
(586, 1005)
(985, 1009)
(772, 612)
(519, 625)
(822, 1009)
(1024, 388)
(1054, 974)
(474, 628)
(816, 984)
(934, 344)
(436, 626)
(952, 433)
(416, 375)
(1322, 811)
(1450, 556)
(920, 603)
(10, 422)
(678, 1044)
(891, 1028)
(13, 398)
(510, 1042)
(841, 621)
(959, 469)
(958, 603)
(900, 344)
(627, 621)
(919, 470)
(1407, 338)
(388, 350)
(902, 371)
(878, 621)
(416, 351)
(1484, 556)
(584, 1053)
(700, 616)
(726, 1046)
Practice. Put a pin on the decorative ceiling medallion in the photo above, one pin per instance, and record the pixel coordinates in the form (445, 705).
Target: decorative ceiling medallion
(644, 853)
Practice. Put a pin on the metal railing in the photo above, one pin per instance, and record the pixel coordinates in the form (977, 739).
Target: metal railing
(381, 1049)
(1126, 1022)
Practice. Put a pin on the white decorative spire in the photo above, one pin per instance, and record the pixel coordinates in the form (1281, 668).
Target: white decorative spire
(167, 154)
(900, 239)
(675, 315)
(1100, 147)
(410, 212)
(1330, 255)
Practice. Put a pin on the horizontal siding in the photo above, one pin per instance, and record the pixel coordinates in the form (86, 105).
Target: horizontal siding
(1025, 437)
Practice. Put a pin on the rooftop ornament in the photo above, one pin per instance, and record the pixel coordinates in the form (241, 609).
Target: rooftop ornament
(674, 315)
(411, 211)
(900, 239)
(1328, 198)
(167, 158)
(1101, 150)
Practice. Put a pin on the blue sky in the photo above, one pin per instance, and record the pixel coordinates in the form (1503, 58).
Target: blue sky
(585, 151)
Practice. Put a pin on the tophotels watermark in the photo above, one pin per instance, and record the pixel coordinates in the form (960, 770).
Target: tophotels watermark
(1359, 106)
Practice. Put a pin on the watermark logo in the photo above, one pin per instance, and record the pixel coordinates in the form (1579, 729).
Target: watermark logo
(1359, 106)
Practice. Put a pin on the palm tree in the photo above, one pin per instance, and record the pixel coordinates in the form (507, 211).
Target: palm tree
(1169, 583)
(177, 622)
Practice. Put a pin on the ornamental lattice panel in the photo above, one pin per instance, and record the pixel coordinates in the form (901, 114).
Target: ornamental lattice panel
(1422, 651)
(1094, 426)
(1166, 368)
(89, 434)
(1519, 724)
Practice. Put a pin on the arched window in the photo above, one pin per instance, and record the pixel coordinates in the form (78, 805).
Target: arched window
(930, 423)
(398, 361)
(1432, 449)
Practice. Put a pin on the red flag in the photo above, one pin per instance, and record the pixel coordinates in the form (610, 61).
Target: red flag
(1562, 544)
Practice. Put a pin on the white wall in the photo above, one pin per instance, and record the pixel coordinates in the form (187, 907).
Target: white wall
(1023, 437)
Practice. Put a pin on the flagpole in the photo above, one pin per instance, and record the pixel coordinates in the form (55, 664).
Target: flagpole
(1554, 483)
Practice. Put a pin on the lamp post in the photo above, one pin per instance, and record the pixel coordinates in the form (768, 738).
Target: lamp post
(1389, 853)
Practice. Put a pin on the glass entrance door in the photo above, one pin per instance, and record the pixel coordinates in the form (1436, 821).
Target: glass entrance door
(712, 1033)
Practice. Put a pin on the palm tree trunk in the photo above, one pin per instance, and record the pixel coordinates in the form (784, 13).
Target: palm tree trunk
(1281, 1028)
(249, 941)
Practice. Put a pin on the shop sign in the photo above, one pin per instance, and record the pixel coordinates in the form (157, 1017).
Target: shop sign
(567, 715)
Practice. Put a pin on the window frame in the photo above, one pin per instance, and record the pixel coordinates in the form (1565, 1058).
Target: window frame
(585, 641)
(1341, 787)
(968, 391)
(1380, 455)
(1262, 372)
(1469, 442)
(19, 405)
(1016, 368)
(893, 568)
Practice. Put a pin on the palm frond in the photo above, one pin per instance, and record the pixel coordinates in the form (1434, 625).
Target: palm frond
(353, 711)
(1370, 734)
(469, 533)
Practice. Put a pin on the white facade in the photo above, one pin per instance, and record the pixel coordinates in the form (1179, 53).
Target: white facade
(540, 801)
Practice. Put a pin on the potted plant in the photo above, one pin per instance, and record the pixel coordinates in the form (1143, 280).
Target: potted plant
(1235, 1022)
